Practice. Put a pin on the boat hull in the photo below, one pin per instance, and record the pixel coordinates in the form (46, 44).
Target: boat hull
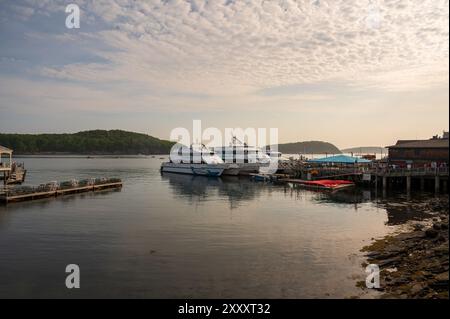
(247, 168)
(194, 169)
(231, 171)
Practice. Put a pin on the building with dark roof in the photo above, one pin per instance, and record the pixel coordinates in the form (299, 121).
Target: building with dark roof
(419, 152)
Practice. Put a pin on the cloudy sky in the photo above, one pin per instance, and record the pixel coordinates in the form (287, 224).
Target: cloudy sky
(354, 73)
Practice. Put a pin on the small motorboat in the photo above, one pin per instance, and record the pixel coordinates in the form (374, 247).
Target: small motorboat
(261, 177)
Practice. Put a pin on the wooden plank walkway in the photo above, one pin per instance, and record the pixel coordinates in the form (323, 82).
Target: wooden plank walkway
(4, 197)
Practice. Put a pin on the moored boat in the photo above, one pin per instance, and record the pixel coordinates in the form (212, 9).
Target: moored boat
(195, 160)
(194, 169)
(329, 184)
(323, 184)
(248, 159)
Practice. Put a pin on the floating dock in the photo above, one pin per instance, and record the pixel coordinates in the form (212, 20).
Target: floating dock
(20, 194)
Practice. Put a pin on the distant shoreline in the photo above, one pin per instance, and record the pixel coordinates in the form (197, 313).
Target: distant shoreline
(112, 155)
(74, 155)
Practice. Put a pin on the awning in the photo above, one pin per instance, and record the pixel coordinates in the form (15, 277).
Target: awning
(4, 150)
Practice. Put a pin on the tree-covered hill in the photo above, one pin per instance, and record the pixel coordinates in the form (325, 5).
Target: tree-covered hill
(309, 147)
(88, 142)
(366, 150)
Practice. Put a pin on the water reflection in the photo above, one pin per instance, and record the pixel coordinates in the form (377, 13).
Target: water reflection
(400, 208)
(152, 238)
(235, 190)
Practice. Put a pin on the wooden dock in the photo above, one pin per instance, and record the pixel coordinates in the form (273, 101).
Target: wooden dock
(6, 196)
(371, 175)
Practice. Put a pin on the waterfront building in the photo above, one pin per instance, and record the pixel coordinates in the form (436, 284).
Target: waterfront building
(417, 153)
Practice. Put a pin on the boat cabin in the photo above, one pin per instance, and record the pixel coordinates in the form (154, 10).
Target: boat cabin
(240, 152)
(194, 155)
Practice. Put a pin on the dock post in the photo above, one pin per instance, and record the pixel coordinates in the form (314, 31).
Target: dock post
(376, 177)
(437, 183)
(444, 185)
(384, 183)
(408, 184)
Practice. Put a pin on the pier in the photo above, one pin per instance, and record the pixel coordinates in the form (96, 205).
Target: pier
(372, 175)
(421, 176)
(54, 189)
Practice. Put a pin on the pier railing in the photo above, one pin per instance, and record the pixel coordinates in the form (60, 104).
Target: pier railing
(421, 171)
(297, 168)
(5, 167)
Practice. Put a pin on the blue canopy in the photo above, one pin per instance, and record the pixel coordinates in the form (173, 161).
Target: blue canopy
(340, 159)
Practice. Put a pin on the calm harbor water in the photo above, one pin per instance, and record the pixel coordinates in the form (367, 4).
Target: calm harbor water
(184, 237)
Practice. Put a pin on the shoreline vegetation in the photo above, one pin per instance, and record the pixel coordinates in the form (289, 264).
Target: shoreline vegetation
(121, 143)
(308, 147)
(414, 263)
(366, 150)
(90, 156)
(97, 142)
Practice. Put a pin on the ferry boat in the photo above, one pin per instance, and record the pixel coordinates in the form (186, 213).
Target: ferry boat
(276, 156)
(195, 160)
(248, 159)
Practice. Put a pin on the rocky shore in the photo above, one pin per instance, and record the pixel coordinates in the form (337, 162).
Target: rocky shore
(414, 263)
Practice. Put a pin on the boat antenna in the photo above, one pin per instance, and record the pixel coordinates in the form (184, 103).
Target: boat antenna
(240, 142)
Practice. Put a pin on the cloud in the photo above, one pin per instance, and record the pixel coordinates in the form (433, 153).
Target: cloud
(224, 46)
(24, 13)
(180, 56)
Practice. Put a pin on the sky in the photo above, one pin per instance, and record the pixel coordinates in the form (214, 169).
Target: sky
(353, 73)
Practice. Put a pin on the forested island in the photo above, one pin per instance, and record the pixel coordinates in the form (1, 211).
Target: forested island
(366, 150)
(309, 147)
(96, 142)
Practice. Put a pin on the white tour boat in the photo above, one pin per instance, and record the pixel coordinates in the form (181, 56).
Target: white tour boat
(195, 160)
(248, 159)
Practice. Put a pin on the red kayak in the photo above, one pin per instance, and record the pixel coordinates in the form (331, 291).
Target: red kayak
(328, 184)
